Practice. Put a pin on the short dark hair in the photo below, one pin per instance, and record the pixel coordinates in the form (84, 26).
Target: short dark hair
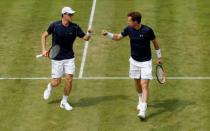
(66, 14)
(135, 16)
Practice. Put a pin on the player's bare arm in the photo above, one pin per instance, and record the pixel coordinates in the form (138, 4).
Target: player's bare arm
(112, 36)
(88, 35)
(158, 51)
(44, 38)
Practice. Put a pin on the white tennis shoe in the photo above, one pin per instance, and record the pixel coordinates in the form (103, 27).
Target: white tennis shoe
(47, 92)
(142, 114)
(65, 105)
(142, 111)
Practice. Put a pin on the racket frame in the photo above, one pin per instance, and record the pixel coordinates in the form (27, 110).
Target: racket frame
(164, 77)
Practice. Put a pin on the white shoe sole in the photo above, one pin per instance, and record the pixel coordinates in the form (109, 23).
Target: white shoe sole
(141, 117)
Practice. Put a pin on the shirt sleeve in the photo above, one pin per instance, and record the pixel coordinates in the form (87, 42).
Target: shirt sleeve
(80, 32)
(125, 32)
(151, 34)
(50, 29)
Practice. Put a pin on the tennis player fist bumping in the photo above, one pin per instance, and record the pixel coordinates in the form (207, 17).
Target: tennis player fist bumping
(64, 33)
(140, 59)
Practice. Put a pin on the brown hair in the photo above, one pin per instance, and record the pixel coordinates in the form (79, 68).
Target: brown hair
(135, 16)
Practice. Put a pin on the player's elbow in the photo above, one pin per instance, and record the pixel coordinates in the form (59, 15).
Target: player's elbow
(44, 35)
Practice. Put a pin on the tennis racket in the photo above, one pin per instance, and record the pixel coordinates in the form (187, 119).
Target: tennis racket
(52, 52)
(160, 74)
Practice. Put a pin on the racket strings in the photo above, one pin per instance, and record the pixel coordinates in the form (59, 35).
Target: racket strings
(54, 51)
(160, 74)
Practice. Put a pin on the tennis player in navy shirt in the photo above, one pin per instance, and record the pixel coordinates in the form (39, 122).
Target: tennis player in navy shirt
(140, 59)
(64, 33)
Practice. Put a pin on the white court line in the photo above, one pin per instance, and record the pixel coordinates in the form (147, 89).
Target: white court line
(126, 78)
(102, 78)
(86, 42)
(188, 78)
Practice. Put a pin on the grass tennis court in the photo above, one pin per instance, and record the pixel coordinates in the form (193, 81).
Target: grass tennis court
(182, 28)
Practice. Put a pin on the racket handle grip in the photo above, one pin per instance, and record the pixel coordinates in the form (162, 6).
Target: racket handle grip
(38, 56)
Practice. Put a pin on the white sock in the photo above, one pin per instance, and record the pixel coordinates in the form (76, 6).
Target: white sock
(140, 97)
(65, 98)
(49, 87)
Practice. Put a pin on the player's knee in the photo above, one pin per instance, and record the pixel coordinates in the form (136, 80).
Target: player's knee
(69, 79)
(144, 84)
(56, 82)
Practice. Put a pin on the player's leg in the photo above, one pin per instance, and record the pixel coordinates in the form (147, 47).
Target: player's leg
(135, 73)
(138, 85)
(145, 97)
(67, 89)
(68, 86)
(57, 73)
(139, 91)
(146, 76)
(55, 82)
(145, 90)
(69, 68)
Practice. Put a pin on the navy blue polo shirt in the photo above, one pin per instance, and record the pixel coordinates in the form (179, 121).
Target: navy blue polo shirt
(65, 37)
(140, 42)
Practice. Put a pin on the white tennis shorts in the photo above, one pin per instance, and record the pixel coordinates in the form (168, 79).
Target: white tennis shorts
(61, 67)
(140, 70)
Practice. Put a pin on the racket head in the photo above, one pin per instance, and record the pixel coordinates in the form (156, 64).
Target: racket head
(53, 51)
(160, 74)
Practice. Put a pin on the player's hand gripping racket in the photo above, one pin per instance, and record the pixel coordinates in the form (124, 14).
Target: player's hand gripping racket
(160, 74)
(52, 52)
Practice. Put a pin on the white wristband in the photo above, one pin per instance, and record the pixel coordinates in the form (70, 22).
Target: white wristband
(110, 35)
(158, 52)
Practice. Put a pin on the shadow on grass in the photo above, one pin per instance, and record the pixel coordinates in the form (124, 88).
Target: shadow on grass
(170, 105)
(55, 101)
(89, 101)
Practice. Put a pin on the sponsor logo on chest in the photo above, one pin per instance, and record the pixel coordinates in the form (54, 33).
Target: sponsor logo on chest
(141, 35)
